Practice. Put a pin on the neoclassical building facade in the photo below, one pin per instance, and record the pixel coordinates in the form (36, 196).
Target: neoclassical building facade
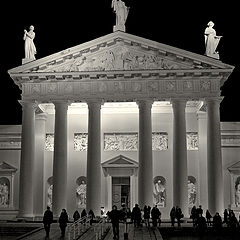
(122, 119)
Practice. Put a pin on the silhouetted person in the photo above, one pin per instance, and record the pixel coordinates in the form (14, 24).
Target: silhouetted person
(199, 211)
(136, 216)
(146, 215)
(155, 213)
(232, 223)
(84, 214)
(217, 222)
(179, 215)
(201, 225)
(173, 215)
(63, 220)
(225, 216)
(208, 217)
(115, 216)
(194, 215)
(47, 221)
(76, 216)
(91, 216)
(129, 213)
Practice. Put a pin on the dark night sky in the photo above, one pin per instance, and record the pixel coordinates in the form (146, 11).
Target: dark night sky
(63, 24)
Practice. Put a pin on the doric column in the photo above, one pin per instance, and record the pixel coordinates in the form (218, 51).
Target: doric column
(94, 158)
(40, 134)
(180, 194)
(214, 157)
(27, 159)
(60, 158)
(145, 170)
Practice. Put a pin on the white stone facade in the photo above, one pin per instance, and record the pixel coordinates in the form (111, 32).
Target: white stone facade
(152, 89)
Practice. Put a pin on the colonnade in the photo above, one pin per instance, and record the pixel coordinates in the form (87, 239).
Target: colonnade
(145, 174)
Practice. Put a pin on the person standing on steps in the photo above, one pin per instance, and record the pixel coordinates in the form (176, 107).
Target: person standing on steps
(47, 220)
(63, 220)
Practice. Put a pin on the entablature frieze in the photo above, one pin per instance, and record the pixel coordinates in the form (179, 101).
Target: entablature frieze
(121, 90)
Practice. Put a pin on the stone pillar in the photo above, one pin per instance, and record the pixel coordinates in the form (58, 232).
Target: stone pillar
(145, 171)
(180, 194)
(214, 157)
(202, 155)
(27, 160)
(40, 135)
(59, 200)
(94, 158)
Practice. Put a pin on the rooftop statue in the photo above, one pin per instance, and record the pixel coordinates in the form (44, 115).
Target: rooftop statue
(121, 11)
(211, 41)
(29, 47)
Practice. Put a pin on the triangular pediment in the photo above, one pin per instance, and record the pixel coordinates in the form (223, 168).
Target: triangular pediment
(234, 167)
(120, 51)
(120, 161)
(5, 167)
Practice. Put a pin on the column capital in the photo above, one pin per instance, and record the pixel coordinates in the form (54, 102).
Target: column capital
(95, 103)
(144, 102)
(31, 104)
(59, 102)
(213, 100)
(178, 101)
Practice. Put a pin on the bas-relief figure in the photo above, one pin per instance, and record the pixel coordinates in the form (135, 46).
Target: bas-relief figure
(4, 192)
(192, 192)
(81, 192)
(80, 141)
(192, 141)
(211, 41)
(121, 11)
(30, 49)
(159, 191)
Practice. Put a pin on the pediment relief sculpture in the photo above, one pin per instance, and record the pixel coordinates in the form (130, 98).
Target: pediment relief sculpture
(119, 58)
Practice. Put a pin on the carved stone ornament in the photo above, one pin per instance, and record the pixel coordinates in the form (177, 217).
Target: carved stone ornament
(120, 57)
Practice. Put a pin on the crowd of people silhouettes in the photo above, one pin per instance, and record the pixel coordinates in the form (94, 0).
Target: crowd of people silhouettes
(149, 215)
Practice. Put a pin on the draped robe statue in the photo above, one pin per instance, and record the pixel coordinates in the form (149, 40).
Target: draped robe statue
(29, 47)
(121, 11)
(211, 41)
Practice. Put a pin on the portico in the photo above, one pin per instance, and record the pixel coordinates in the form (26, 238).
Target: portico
(120, 67)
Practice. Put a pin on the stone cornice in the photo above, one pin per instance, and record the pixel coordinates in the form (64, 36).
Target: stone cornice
(218, 74)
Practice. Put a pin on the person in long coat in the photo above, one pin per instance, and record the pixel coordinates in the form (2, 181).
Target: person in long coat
(173, 215)
(136, 216)
(47, 220)
(63, 220)
(115, 215)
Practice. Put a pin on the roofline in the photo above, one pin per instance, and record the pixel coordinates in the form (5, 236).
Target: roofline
(109, 38)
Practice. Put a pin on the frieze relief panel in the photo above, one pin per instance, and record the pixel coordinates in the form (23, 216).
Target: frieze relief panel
(80, 141)
(124, 141)
(192, 141)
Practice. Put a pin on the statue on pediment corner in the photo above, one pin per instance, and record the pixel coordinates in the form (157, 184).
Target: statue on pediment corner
(211, 41)
(121, 11)
(29, 47)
